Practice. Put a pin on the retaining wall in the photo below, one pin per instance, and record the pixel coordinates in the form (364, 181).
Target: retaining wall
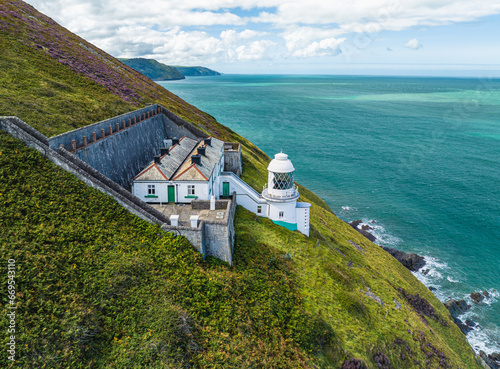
(122, 146)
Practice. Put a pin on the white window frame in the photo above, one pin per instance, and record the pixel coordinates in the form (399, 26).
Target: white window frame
(281, 214)
(151, 189)
(191, 190)
(259, 209)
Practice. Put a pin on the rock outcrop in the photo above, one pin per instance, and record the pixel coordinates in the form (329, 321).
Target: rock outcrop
(363, 230)
(456, 307)
(410, 260)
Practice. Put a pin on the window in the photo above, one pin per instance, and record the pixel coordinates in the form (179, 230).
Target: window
(190, 190)
(259, 209)
(283, 181)
(151, 189)
(281, 214)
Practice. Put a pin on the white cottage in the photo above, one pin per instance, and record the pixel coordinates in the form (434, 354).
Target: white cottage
(187, 170)
(190, 169)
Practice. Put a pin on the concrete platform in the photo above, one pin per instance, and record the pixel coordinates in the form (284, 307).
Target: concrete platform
(186, 210)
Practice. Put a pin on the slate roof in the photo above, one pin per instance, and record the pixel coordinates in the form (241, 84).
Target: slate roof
(177, 164)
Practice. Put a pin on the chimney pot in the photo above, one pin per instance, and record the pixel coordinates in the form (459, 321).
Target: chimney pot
(103, 133)
(110, 130)
(117, 127)
(84, 139)
(94, 137)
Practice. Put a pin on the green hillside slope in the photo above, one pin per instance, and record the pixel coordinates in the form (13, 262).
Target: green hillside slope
(98, 287)
(196, 71)
(153, 69)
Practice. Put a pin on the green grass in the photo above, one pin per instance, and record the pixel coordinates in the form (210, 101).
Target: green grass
(98, 288)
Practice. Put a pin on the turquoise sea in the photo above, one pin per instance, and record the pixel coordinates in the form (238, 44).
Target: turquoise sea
(419, 156)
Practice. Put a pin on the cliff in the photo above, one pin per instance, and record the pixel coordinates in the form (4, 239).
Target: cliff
(99, 287)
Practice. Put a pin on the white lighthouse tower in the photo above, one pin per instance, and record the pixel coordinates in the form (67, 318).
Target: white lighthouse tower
(281, 195)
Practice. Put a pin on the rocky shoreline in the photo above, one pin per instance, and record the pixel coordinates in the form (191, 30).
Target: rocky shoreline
(414, 263)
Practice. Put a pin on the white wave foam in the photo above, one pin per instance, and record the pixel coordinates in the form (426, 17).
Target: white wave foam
(480, 339)
(452, 280)
(346, 208)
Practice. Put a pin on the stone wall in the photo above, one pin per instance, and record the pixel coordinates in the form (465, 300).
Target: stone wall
(232, 158)
(122, 146)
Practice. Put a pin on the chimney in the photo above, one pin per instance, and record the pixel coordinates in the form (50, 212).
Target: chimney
(201, 151)
(208, 141)
(94, 137)
(175, 141)
(103, 133)
(84, 139)
(157, 159)
(196, 159)
(163, 151)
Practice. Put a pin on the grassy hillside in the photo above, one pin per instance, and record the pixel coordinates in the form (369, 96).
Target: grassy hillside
(98, 287)
(153, 69)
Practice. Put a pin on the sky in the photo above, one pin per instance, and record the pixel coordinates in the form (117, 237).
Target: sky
(379, 37)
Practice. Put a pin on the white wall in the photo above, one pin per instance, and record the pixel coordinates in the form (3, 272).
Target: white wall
(245, 195)
(302, 213)
(140, 189)
(287, 207)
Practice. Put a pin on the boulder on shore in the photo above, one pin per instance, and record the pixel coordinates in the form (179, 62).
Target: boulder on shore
(410, 260)
(477, 297)
(456, 307)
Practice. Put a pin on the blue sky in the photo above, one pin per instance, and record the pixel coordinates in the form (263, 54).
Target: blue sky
(414, 37)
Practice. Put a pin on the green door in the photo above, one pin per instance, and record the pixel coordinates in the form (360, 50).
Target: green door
(225, 188)
(171, 193)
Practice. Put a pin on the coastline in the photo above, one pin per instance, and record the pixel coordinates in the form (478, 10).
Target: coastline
(427, 270)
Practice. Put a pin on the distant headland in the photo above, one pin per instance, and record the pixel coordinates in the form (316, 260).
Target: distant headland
(161, 72)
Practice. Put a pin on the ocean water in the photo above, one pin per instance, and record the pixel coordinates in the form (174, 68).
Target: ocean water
(419, 156)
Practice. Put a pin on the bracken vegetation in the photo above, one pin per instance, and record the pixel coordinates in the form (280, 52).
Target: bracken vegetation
(97, 287)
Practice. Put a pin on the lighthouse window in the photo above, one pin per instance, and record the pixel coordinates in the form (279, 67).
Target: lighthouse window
(281, 214)
(151, 189)
(283, 181)
(259, 209)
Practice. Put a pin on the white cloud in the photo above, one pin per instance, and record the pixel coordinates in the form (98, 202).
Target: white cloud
(413, 44)
(206, 31)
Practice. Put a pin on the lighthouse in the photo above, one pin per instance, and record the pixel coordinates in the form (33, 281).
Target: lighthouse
(282, 194)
